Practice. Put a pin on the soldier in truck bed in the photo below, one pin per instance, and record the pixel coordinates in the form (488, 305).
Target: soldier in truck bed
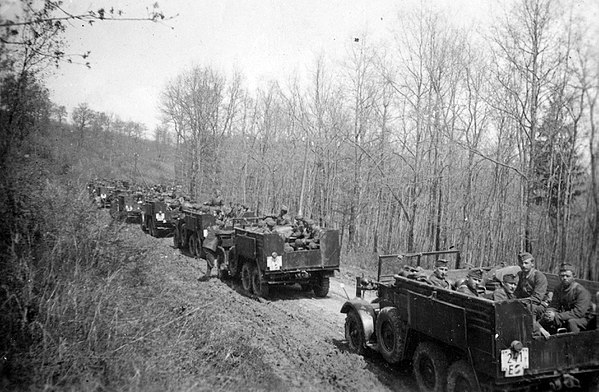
(473, 281)
(439, 276)
(532, 284)
(571, 306)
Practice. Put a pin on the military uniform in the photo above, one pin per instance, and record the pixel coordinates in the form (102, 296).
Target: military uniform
(573, 307)
(439, 282)
(465, 288)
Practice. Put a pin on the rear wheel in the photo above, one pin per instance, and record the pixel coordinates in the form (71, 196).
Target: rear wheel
(177, 237)
(259, 286)
(234, 264)
(192, 245)
(321, 287)
(461, 377)
(430, 367)
(354, 333)
(246, 276)
(152, 229)
(389, 334)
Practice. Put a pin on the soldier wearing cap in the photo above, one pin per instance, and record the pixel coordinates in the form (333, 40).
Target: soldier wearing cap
(571, 306)
(532, 284)
(506, 290)
(283, 218)
(439, 276)
(472, 283)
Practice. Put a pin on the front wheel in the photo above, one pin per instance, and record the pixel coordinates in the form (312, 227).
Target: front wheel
(246, 276)
(461, 377)
(390, 334)
(354, 333)
(430, 367)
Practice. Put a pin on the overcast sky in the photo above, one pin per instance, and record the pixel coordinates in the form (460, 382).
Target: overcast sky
(264, 39)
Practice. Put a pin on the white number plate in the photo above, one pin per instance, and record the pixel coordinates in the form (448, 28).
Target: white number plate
(160, 217)
(512, 365)
(274, 264)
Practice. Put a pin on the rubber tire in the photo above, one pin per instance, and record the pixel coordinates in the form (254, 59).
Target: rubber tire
(219, 262)
(430, 367)
(390, 334)
(461, 377)
(192, 247)
(259, 287)
(321, 287)
(354, 333)
(246, 276)
(234, 264)
(152, 229)
(177, 237)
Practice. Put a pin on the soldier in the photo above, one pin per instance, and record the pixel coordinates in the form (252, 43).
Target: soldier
(439, 276)
(283, 218)
(473, 281)
(571, 306)
(507, 288)
(532, 284)
(216, 201)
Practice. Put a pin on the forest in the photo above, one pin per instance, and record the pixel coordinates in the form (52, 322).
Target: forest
(439, 137)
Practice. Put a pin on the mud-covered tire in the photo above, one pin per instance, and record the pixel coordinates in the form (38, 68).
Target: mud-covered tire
(354, 333)
(246, 276)
(321, 286)
(234, 264)
(430, 367)
(461, 377)
(259, 286)
(390, 334)
(176, 238)
(192, 246)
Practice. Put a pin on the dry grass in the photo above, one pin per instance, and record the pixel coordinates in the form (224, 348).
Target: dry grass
(81, 308)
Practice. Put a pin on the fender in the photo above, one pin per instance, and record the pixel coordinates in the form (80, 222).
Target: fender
(367, 314)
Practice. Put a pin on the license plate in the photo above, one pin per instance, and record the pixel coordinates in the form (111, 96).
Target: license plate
(160, 217)
(274, 263)
(513, 365)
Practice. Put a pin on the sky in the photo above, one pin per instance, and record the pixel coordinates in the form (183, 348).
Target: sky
(131, 62)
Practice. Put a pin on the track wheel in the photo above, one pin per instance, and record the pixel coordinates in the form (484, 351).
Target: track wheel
(259, 286)
(461, 377)
(390, 334)
(321, 287)
(430, 367)
(354, 333)
(246, 276)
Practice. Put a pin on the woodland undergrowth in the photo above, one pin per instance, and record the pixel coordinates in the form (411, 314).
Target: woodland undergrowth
(80, 308)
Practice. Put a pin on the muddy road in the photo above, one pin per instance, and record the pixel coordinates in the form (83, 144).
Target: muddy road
(298, 338)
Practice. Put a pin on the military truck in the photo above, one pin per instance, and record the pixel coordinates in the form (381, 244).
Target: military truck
(461, 343)
(262, 260)
(191, 229)
(127, 207)
(158, 218)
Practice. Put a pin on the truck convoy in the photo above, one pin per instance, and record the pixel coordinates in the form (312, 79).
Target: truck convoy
(463, 343)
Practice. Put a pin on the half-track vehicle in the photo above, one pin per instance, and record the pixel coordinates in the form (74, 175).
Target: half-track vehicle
(190, 230)
(262, 260)
(458, 342)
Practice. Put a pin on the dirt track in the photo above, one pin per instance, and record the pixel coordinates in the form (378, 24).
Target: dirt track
(299, 338)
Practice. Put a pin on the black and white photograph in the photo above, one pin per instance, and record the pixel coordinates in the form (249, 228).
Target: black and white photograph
(299, 195)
